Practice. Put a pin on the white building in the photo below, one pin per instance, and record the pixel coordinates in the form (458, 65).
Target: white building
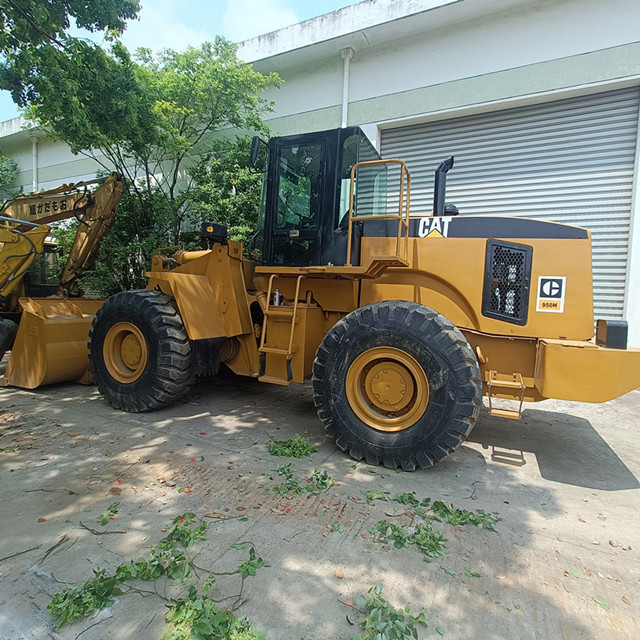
(538, 101)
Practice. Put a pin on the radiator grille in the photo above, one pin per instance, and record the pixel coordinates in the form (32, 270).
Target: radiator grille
(507, 279)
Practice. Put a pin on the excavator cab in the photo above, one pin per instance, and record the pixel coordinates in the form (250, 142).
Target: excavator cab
(305, 210)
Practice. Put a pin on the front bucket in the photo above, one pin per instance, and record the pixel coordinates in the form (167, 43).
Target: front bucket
(51, 343)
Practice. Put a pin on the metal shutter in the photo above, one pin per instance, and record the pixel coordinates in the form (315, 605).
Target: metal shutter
(569, 161)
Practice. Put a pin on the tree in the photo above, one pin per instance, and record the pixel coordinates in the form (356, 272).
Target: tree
(150, 117)
(147, 116)
(34, 34)
(8, 173)
(226, 190)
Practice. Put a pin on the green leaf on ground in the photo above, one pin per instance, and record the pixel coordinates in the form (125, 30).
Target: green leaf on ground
(298, 447)
(602, 603)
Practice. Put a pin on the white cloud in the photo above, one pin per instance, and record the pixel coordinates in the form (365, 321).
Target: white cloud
(248, 18)
(160, 27)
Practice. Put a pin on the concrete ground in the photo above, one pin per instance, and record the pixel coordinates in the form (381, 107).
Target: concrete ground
(564, 481)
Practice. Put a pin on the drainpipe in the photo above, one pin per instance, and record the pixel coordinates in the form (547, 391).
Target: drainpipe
(34, 163)
(346, 54)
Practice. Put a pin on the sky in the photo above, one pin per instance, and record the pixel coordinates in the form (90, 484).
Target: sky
(175, 24)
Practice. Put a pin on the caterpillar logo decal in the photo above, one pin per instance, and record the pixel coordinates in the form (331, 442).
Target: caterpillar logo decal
(551, 293)
(434, 227)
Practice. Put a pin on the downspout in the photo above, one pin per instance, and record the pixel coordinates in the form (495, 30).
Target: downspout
(346, 54)
(34, 164)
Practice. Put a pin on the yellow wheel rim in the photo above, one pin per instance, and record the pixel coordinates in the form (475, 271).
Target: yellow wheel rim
(125, 352)
(387, 389)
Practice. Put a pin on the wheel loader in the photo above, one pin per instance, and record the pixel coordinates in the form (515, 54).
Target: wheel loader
(47, 335)
(403, 323)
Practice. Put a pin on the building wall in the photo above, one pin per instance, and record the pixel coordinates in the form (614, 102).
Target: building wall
(56, 163)
(525, 52)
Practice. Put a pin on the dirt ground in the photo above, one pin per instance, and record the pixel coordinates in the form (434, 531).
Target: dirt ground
(564, 482)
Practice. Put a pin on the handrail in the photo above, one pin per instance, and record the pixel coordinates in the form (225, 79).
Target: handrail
(403, 206)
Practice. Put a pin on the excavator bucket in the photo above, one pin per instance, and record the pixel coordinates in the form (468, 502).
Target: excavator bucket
(51, 343)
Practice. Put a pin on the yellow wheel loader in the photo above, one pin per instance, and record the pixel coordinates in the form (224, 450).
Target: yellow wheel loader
(402, 323)
(47, 335)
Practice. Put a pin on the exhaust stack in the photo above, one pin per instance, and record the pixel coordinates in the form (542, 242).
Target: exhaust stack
(439, 187)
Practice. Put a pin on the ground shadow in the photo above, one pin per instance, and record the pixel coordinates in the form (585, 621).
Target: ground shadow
(567, 448)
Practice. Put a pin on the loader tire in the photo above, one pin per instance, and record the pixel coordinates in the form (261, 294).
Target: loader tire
(397, 384)
(8, 330)
(139, 351)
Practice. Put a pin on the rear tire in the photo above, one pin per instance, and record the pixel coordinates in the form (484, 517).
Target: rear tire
(139, 351)
(397, 384)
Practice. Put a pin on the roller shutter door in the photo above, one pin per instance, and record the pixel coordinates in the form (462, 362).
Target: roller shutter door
(569, 161)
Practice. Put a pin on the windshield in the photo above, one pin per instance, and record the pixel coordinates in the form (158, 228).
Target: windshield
(299, 193)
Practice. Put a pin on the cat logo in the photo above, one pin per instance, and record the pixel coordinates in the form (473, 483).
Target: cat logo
(551, 292)
(434, 227)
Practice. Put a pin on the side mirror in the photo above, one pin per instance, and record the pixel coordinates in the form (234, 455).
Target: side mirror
(256, 145)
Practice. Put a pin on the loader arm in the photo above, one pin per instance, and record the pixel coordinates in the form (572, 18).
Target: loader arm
(18, 250)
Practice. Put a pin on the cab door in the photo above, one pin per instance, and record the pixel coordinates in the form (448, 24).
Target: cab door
(296, 201)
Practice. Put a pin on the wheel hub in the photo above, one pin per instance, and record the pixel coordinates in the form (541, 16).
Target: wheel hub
(387, 389)
(125, 352)
(389, 385)
(131, 351)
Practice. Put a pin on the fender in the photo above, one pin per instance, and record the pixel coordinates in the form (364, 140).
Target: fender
(199, 309)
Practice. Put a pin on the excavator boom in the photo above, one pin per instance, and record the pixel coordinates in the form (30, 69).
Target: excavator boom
(49, 344)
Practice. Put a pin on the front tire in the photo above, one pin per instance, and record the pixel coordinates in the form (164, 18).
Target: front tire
(397, 384)
(139, 351)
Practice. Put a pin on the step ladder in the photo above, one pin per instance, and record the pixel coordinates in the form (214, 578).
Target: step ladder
(514, 384)
(275, 358)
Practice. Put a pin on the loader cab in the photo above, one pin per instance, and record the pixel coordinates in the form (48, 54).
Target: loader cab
(42, 278)
(306, 192)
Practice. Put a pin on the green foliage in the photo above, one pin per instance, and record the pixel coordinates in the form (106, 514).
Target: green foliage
(168, 558)
(428, 540)
(250, 566)
(8, 173)
(393, 532)
(457, 517)
(290, 484)
(410, 499)
(141, 227)
(103, 518)
(149, 117)
(184, 533)
(383, 621)
(196, 617)
(373, 494)
(298, 447)
(75, 603)
(424, 536)
(225, 190)
(35, 40)
(316, 483)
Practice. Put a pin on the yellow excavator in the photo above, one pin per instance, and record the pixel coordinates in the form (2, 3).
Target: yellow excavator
(47, 335)
(402, 322)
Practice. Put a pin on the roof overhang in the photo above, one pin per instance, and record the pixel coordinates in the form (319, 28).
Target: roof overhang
(359, 26)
